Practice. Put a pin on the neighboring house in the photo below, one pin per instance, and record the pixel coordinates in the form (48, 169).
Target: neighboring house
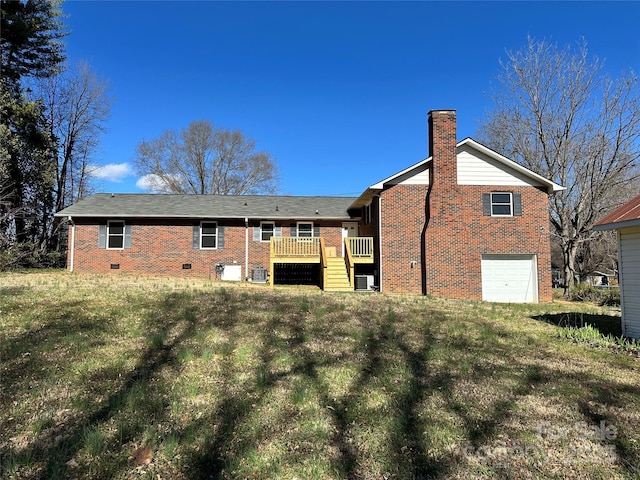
(625, 220)
(465, 223)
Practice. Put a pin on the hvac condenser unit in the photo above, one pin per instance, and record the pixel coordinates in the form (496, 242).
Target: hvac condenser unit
(364, 282)
(259, 275)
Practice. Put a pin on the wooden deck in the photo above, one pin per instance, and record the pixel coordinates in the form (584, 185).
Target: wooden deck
(358, 250)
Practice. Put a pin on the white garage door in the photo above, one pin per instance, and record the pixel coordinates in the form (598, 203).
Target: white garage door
(509, 278)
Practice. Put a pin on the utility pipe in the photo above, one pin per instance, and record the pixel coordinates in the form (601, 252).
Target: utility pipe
(246, 248)
(380, 240)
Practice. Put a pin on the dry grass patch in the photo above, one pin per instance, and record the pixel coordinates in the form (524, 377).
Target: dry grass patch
(239, 381)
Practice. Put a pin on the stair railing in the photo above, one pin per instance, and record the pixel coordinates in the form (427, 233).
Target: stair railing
(348, 260)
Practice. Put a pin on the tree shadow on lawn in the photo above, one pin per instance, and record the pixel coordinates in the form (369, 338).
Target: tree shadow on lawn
(13, 290)
(380, 349)
(382, 343)
(605, 324)
(138, 394)
(363, 345)
(31, 356)
(376, 341)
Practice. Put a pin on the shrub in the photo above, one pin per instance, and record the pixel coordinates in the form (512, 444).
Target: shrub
(27, 255)
(610, 297)
(583, 292)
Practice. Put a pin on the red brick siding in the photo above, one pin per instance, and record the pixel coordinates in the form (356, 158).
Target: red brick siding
(162, 247)
(403, 214)
(455, 240)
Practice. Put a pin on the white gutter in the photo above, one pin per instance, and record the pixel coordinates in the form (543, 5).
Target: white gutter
(73, 243)
(380, 240)
(246, 248)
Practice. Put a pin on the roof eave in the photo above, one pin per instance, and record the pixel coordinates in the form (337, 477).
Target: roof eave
(230, 217)
(365, 198)
(617, 225)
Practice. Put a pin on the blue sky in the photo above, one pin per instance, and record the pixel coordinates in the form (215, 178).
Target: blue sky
(337, 92)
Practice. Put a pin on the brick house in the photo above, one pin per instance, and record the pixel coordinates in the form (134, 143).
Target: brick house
(465, 222)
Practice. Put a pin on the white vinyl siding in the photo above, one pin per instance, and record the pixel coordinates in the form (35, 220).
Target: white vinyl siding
(475, 168)
(629, 261)
(509, 278)
(417, 176)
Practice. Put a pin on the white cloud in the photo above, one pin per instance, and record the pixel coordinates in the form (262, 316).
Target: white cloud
(153, 183)
(113, 172)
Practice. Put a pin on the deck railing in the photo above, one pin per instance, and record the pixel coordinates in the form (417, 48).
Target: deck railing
(360, 247)
(298, 247)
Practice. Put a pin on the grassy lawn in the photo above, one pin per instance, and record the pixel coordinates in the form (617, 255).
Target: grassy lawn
(240, 381)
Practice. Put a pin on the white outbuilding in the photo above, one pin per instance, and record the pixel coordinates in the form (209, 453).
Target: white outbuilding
(625, 220)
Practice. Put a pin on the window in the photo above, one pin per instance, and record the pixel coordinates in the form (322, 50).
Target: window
(115, 235)
(267, 230)
(501, 205)
(305, 229)
(208, 235)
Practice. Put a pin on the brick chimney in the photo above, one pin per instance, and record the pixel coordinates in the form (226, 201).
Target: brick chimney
(445, 231)
(442, 148)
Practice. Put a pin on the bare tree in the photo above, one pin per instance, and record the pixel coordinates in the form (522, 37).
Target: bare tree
(202, 159)
(559, 115)
(600, 254)
(77, 106)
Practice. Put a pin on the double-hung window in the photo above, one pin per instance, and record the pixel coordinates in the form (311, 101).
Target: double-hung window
(305, 229)
(208, 235)
(267, 230)
(115, 234)
(501, 204)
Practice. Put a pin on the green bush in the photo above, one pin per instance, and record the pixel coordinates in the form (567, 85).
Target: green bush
(27, 255)
(610, 297)
(583, 292)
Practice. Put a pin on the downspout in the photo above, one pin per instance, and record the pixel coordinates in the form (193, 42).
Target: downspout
(73, 243)
(380, 240)
(246, 249)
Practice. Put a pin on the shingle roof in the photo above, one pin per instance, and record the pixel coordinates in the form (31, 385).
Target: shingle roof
(209, 206)
(627, 215)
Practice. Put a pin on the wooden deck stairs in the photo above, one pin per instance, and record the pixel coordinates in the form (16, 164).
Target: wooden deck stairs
(336, 278)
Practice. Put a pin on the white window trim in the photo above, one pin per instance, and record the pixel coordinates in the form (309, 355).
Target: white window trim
(510, 214)
(109, 235)
(208, 235)
(298, 229)
(273, 231)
